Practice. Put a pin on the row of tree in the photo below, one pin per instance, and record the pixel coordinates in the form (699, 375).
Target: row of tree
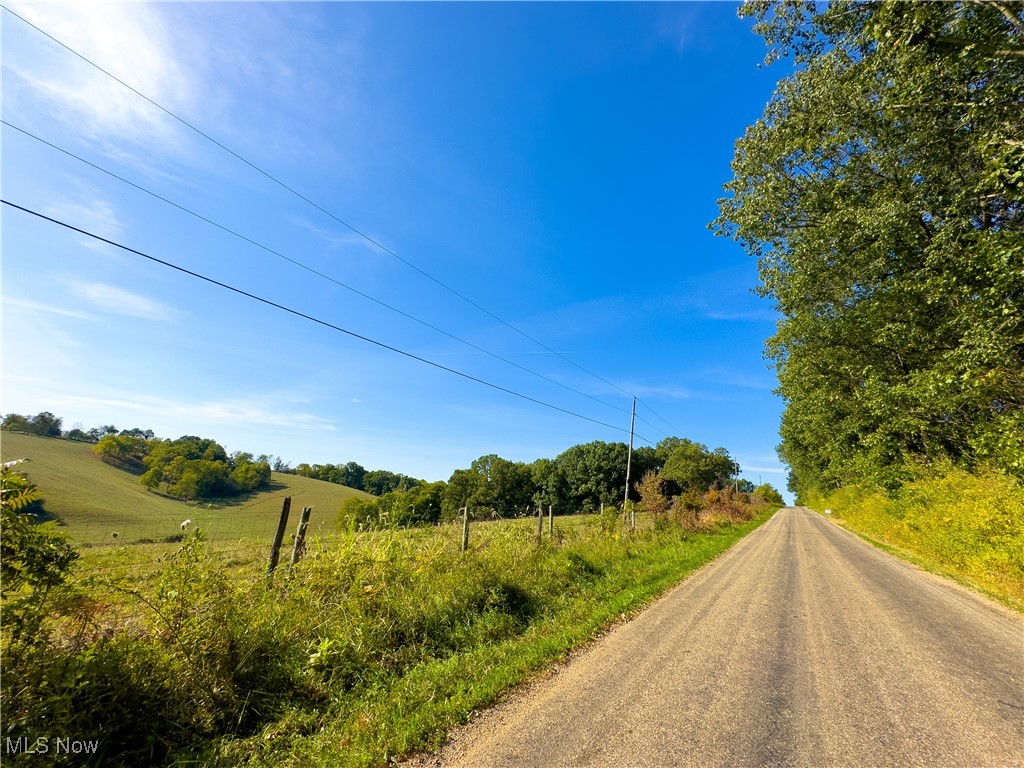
(353, 475)
(882, 194)
(45, 424)
(580, 479)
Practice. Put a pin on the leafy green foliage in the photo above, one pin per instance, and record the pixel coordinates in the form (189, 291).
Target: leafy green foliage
(691, 466)
(377, 481)
(35, 561)
(395, 509)
(16, 492)
(188, 468)
(35, 555)
(969, 524)
(124, 451)
(881, 192)
(594, 474)
(44, 424)
(769, 495)
(370, 647)
(491, 485)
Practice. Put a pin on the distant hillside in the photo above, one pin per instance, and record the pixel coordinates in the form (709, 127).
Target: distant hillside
(95, 500)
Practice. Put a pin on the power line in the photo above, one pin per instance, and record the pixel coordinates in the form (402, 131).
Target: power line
(326, 212)
(657, 415)
(310, 269)
(311, 318)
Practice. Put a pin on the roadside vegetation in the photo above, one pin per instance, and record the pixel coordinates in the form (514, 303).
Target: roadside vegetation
(966, 525)
(881, 194)
(179, 649)
(371, 648)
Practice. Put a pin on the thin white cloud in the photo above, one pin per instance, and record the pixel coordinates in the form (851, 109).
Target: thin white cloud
(28, 307)
(95, 215)
(128, 40)
(121, 302)
(669, 393)
(765, 470)
(333, 238)
(254, 411)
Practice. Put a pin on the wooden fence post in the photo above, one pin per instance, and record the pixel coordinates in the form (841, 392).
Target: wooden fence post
(299, 547)
(540, 523)
(275, 549)
(465, 528)
(551, 521)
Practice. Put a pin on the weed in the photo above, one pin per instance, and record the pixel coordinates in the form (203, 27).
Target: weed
(968, 524)
(369, 648)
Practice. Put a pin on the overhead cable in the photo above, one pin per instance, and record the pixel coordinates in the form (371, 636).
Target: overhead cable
(323, 210)
(310, 269)
(311, 318)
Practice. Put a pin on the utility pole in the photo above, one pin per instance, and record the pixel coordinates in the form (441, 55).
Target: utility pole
(629, 464)
(736, 482)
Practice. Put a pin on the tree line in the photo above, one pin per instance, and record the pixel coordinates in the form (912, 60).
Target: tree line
(353, 475)
(882, 193)
(581, 479)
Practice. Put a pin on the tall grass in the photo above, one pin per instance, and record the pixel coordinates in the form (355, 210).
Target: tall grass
(968, 525)
(369, 649)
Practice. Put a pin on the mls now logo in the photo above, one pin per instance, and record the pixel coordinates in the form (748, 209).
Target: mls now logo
(23, 745)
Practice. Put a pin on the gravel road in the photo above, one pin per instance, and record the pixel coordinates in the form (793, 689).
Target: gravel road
(801, 646)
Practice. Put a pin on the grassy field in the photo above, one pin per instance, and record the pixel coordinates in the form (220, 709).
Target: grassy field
(369, 649)
(373, 647)
(93, 500)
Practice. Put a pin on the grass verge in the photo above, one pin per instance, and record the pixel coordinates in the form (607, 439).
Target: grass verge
(413, 712)
(968, 527)
(371, 649)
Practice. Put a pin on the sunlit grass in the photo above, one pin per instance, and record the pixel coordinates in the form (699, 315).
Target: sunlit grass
(100, 505)
(372, 647)
(970, 526)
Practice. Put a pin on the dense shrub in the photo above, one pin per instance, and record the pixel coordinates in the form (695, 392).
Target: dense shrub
(188, 468)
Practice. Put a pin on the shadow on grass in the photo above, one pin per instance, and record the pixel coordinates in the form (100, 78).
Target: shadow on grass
(223, 502)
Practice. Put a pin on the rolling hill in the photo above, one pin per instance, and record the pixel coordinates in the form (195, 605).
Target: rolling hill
(94, 501)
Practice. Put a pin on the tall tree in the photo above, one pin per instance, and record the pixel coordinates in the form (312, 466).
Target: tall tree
(693, 467)
(881, 192)
(594, 473)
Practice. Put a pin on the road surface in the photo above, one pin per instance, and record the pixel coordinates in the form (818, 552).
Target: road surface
(801, 646)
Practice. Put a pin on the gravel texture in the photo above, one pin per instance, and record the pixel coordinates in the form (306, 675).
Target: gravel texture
(800, 646)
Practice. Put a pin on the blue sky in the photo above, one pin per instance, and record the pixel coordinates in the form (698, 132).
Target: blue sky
(556, 164)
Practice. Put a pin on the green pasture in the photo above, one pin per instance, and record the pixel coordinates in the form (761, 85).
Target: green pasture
(93, 501)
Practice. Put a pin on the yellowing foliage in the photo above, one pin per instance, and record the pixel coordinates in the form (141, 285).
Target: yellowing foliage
(969, 524)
